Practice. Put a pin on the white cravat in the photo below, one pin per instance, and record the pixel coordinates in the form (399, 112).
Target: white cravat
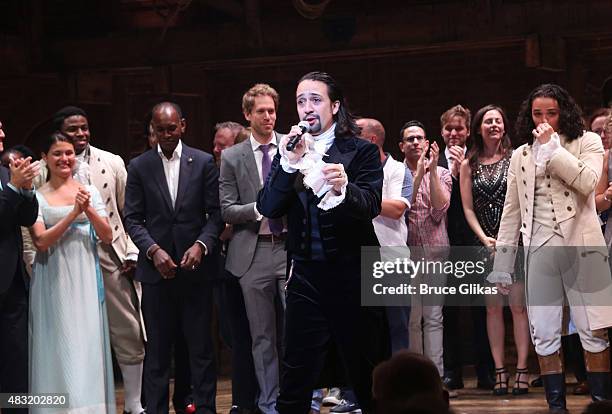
(324, 141)
(172, 168)
(81, 171)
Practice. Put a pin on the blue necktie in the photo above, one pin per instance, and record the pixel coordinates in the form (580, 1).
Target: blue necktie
(276, 225)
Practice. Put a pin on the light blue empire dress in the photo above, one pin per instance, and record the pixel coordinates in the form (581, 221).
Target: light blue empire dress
(69, 340)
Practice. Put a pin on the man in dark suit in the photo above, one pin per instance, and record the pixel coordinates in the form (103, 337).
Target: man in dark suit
(455, 125)
(172, 214)
(324, 243)
(18, 207)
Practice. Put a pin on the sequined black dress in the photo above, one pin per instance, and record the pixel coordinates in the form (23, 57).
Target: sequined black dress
(489, 183)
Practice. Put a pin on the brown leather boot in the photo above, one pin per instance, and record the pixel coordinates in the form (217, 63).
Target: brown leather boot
(551, 371)
(598, 373)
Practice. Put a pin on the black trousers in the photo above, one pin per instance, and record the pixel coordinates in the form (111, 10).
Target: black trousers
(182, 373)
(184, 305)
(14, 340)
(244, 382)
(453, 336)
(323, 309)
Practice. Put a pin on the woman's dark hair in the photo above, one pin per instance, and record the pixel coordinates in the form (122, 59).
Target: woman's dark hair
(570, 116)
(55, 138)
(345, 121)
(477, 147)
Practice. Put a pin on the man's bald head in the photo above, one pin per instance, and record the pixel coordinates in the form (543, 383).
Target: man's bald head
(168, 126)
(372, 130)
(167, 106)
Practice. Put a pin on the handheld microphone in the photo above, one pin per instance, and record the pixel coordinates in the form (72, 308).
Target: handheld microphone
(304, 127)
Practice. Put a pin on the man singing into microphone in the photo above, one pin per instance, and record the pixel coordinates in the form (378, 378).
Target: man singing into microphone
(326, 232)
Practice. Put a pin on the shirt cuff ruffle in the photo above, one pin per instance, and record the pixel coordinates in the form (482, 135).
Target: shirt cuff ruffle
(331, 200)
(544, 152)
(500, 277)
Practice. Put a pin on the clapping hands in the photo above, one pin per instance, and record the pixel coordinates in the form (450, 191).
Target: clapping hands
(23, 171)
(424, 163)
(82, 200)
(457, 154)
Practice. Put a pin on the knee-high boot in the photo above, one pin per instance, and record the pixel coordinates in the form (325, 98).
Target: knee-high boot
(551, 371)
(598, 373)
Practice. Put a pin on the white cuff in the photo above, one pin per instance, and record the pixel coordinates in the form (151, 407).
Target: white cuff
(544, 152)
(131, 257)
(286, 164)
(500, 277)
(257, 213)
(330, 200)
(203, 245)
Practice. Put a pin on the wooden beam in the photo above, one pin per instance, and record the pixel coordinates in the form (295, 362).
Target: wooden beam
(232, 7)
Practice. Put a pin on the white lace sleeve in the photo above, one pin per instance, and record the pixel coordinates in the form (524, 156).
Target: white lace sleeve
(288, 161)
(544, 152)
(331, 200)
(500, 277)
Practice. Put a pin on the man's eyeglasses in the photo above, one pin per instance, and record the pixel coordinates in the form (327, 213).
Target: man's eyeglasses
(411, 138)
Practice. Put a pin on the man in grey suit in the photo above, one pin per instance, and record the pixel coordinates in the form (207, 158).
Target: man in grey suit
(256, 253)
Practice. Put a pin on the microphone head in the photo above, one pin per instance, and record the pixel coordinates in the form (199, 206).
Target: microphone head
(304, 126)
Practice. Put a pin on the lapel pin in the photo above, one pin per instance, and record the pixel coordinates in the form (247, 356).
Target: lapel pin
(189, 160)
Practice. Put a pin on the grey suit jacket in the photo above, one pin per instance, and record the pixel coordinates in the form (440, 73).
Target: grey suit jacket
(238, 187)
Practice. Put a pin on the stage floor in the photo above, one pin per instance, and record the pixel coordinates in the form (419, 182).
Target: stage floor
(470, 400)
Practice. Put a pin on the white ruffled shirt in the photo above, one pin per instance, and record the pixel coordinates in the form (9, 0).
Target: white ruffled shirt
(310, 166)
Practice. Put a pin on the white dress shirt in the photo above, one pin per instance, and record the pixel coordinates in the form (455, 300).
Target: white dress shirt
(172, 169)
(264, 228)
(392, 232)
(259, 155)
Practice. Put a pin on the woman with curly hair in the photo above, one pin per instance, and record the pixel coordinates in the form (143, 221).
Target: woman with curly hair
(483, 180)
(550, 202)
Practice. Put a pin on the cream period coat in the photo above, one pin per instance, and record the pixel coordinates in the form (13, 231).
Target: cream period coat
(574, 172)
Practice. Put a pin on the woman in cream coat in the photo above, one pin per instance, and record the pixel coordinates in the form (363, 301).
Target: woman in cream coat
(550, 202)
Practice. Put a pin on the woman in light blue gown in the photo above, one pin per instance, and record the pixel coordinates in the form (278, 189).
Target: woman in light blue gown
(69, 340)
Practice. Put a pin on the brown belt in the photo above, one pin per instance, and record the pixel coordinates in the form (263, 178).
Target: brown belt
(272, 237)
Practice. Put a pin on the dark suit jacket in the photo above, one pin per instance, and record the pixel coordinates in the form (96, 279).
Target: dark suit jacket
(345, 228)
(15, 210)
(150, 218)
(459, 231)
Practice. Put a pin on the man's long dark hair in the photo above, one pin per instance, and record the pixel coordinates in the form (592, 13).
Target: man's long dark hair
(570, 116)
(345, 121)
